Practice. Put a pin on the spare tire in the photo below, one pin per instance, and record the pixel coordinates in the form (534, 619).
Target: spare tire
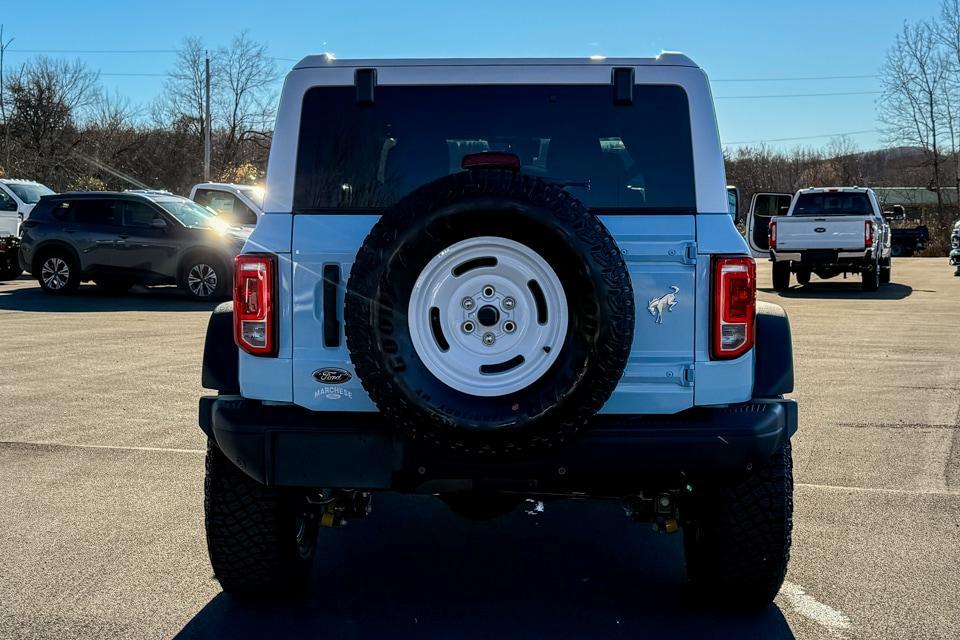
(489, 312)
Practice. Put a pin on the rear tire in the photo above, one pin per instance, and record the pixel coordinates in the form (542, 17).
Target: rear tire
(258, 540)
(870, 280)
(10, 274)
(886, 270)
(57, 272)
(737, 542)
(781, 276)
(803, 278)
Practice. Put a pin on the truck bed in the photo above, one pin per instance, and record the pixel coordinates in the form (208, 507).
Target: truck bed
(820, 232)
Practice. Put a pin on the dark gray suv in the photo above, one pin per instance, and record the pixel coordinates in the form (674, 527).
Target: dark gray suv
(121, 239)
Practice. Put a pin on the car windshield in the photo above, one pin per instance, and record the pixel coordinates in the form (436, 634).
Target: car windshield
(254, 193)
(833, 204)
(189, 213)
(638, 156)
(30, 193)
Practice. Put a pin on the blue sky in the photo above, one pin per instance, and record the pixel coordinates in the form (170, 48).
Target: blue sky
(732, 40)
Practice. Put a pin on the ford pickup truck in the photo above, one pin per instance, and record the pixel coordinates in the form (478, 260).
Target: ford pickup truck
(831, 231)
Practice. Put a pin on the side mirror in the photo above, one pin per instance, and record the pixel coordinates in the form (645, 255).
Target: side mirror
(158, 223)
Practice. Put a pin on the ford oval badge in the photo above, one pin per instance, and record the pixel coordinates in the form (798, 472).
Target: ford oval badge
(820, 229)
(331, 375)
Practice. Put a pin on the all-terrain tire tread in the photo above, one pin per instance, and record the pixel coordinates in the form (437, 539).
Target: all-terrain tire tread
(249, 528)
(739, 547)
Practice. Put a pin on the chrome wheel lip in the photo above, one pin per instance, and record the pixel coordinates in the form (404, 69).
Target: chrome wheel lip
(55, 273)
(202, 280)
(460, 365)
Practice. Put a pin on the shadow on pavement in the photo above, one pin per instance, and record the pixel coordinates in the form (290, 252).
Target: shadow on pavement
(849, 289)
(89, 298)
(413, 569)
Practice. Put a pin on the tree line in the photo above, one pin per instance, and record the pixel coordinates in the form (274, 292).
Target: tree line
(58, 125)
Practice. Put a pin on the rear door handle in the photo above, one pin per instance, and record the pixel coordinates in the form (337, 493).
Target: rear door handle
(331, 287)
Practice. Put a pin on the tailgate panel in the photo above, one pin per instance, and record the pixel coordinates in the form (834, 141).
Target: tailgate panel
(824, 232)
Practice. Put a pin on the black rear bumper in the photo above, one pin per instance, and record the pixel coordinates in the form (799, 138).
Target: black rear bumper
(291, 446)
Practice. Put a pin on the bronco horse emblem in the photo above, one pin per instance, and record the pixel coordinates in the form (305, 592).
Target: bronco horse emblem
(667, 302)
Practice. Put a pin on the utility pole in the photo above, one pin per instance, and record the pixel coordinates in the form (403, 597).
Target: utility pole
(3, 104)
(207, 123)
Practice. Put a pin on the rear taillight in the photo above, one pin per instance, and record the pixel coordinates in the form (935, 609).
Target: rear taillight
(255, 303)
(772, 234)
(868, 234)
(734, 306)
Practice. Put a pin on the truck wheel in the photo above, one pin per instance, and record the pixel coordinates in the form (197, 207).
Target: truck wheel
(870, 280)
(57, 272)
(489, 312)
(10, 274)
(886, 267)
(803, 277)
(257, 538)
(781, 276)
(737, 540)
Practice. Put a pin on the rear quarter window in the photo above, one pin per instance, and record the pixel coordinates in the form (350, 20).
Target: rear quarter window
(612, 157)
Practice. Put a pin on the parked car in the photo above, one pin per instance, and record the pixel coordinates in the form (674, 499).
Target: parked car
(17, 198)
(240, 204)
(955, 246)
(490, 280)
(830, 231)
(121, 239)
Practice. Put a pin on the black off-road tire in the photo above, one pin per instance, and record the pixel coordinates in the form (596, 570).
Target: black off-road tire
(781, 276)
(252, 531)
(73, 271)
(548, 220)
(737, 539)
(870, 280)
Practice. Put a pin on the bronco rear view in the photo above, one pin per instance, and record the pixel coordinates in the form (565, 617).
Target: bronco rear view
(493, 280)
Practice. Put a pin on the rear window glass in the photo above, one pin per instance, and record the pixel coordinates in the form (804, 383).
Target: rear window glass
(832, 204)
(639, 156)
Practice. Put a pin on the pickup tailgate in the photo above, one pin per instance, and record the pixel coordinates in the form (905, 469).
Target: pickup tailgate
(820, 232)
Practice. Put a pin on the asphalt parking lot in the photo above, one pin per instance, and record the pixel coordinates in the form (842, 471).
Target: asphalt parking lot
(101, 471)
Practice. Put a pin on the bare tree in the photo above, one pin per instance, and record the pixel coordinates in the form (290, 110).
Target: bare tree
(913, 79)
(48, 99)
(948, 32)
(246, 98)
(183, 93)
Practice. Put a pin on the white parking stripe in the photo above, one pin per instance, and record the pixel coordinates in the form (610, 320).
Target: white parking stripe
(98, 446)
(809, 607)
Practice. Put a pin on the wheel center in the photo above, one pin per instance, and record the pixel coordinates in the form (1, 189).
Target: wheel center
(488, 315)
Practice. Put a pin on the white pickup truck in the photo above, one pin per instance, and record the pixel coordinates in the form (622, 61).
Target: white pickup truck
(831, 231)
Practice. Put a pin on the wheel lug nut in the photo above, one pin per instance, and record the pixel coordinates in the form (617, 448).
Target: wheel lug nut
(467, 303)
(509, 327)
(489, 338)
(489, 291)
(468, 327)
(508, 303)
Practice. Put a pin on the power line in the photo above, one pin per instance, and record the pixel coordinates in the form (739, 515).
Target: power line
(822, 135)
(793, 78)
(94, 51)
(802, 95)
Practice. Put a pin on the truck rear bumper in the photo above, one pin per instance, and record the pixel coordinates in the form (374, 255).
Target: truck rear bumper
(617, 455)
(823, 256)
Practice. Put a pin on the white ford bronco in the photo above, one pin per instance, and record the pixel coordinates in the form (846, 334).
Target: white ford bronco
(829, 231)
(494, 280)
